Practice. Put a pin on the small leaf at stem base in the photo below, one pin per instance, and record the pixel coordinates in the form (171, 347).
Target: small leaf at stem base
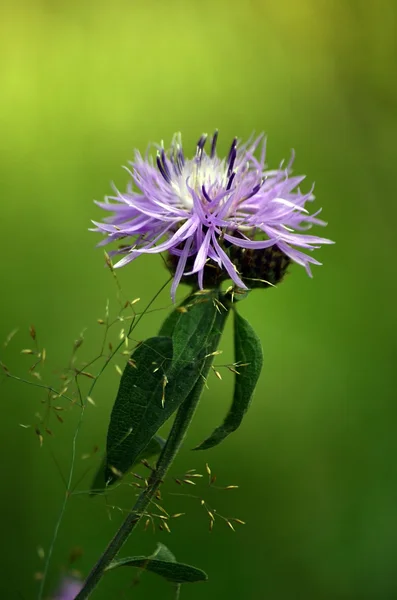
(162, 562)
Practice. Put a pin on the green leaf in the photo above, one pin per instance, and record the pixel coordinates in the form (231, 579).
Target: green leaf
(138, 411)
(163, 563)
(190, 334)
(162, 374)
(163, 553)
(248, 354)
(192, 331)
(153, 448)
(168, 326)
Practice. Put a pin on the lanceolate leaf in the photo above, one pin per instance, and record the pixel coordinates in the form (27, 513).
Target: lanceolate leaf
(168, 326)
(154, 447)
(193, 331)
(163, 563)
(162, 373)
(249, 360)
(145, 400)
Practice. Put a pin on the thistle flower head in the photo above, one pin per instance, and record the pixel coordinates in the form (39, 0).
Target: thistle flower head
(206, 210)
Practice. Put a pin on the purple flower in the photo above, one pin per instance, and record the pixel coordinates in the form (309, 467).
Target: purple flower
(197, 209)
(68, 589)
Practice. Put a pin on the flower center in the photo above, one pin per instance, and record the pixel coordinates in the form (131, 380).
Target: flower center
(204, 175)
(198, 176)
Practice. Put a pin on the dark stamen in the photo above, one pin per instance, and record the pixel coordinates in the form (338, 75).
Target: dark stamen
(205, 194)
(177, 160)
(213, 143)
(200, 146)
(165, 165)
(229, 183)
(232, 158)
(255, 189)
(173, 162)
(201, 142)
(181, 158)
(163, 169)
(232, 150)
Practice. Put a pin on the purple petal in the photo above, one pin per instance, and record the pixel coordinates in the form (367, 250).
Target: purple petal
(229, 266)
(187, 205)
(180, 268)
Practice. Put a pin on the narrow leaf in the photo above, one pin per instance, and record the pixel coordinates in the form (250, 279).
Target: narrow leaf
(138, 411)
(163, 563)
(168, 326)
(248, 354)
(154, 447)
(164, 373)
(192, 331)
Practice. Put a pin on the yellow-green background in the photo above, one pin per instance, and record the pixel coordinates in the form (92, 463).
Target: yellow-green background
(82, 84)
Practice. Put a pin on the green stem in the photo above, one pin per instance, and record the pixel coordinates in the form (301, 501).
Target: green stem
(174, 441)
(182, 421)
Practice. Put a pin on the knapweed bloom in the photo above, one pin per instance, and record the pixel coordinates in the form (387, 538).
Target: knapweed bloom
(210, 212)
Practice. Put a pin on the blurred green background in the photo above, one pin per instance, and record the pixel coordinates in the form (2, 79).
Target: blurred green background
(82, 84)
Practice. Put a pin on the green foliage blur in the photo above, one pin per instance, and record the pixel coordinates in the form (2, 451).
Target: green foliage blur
(83, 84)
